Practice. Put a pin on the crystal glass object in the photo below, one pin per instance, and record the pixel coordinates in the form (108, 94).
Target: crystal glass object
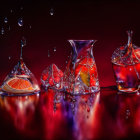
(126, 65)
(81, 75)
(52, 77)
(20, 80)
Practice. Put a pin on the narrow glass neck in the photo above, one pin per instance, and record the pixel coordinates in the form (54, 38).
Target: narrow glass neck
(130, 33)
(81, 45)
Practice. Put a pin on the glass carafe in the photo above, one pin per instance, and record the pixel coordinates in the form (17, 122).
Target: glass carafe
(81, 75)
(126, 65)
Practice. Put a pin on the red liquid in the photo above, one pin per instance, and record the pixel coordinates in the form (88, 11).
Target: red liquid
(127, 77)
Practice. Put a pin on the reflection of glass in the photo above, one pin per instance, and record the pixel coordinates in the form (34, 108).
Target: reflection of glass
(83, 112)
(81, 73)
(21, 110)
(126, 65)
(20, 80)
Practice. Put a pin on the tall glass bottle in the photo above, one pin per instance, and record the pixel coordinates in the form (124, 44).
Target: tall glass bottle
(81, 75)
(126, 65)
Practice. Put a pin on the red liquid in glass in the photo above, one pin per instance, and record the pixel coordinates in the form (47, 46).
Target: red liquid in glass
(127, 77)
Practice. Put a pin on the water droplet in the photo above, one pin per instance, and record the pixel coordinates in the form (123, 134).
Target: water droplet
(66, 62)
(9, 28)
(20, 22)
(48, 53)
(21, 8)
(9, 57)
(5, 20)
(51, 11)
(2, 31)
(11, 11)
(54, 49)
(23, 41)
(30, 26)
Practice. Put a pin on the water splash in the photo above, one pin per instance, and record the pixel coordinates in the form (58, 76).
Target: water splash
(20, 22)
(5, 20)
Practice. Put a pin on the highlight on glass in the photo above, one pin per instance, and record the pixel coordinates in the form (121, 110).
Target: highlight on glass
(126, 66)
(80, 76)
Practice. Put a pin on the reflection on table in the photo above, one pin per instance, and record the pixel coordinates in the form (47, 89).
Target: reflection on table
(58, 115)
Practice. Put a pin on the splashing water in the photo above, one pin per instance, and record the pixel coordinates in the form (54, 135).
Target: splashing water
(20, 22)
(5, 20)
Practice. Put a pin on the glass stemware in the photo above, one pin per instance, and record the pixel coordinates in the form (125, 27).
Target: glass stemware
(20, 80)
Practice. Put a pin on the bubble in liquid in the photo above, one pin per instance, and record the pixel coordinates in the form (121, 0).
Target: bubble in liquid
(20, 22)
(23, 41)
(54, 49)
(5, 20)
(48, 53)
(2, 31)
(51, 11)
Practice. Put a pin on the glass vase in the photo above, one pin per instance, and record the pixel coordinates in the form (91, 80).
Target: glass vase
(81, 75)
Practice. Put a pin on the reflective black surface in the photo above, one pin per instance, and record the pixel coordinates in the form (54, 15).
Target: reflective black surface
(54, 115)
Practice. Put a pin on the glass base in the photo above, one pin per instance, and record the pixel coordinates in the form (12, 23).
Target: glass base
(3, 93)
(128, 90)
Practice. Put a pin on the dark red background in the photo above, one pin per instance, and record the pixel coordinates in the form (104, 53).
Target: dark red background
(105, 21)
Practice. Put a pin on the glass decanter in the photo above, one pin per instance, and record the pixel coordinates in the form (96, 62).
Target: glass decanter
(126, 65)
(81, 75)
(20, 80)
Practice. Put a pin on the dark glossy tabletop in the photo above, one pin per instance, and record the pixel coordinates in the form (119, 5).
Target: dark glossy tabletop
(48, 115)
